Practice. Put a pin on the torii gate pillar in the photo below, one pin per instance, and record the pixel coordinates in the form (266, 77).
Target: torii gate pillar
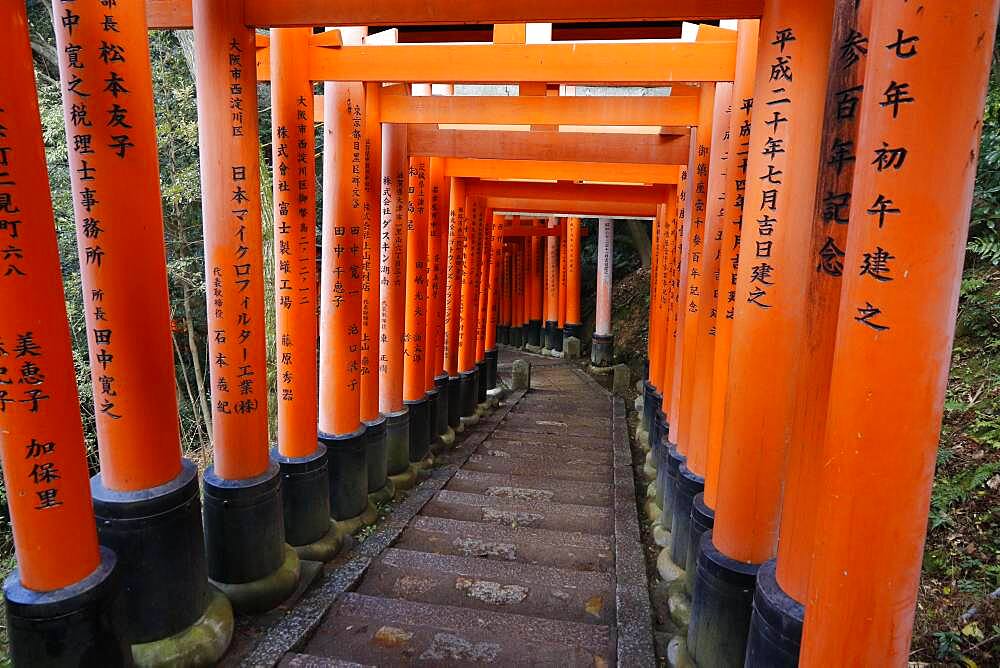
(603, 344)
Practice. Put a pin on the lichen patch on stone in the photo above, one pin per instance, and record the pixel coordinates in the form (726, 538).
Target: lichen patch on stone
(473, 547)
(519, 493)
(490, 592)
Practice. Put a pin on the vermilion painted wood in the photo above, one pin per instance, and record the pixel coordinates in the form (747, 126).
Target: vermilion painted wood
(34, 330)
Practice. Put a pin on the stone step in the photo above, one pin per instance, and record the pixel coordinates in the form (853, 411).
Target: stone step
(503, 433)
(381, 631)
(544, 456)
(499, 462)
(561, 426)
(482, 584)
(529, 486)
(512, 513)
(572, 550)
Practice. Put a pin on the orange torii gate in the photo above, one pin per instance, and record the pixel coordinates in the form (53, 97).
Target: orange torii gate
(881, 331)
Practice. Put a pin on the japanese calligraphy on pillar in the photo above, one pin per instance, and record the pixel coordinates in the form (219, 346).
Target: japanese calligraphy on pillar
(230, 176)
(838, 153)
(736, 201)
(776, 99)
(43, 452)
(885, 163)
(110, 132)
(295, 238)
(95, 93)
(29, 241)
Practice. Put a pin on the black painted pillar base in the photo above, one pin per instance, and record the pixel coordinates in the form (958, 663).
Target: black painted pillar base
(419, 430)
(503, 334)
(78, 625)
(248, 558)
(375, 455)
(602, 350)
(347, 485)
(775, 625)
(455, 401)
(672, 459)
(557, 338)
(156, 535)
(572, 329)
(662, 426)
(432, 410)
(492, 360)
(305, 498)
(397, 439)
(481, 381)
(657, 435)
(721, 605)
(516, 337)
(443, 404)
(468, 393)
(647, 408)
(702, 520)
(551, 326)
(534, 337)
(688, 485)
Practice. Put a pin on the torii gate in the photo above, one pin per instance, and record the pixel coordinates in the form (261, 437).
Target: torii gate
(147, 497)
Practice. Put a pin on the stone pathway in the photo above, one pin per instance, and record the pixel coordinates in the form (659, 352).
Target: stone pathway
(525, 550)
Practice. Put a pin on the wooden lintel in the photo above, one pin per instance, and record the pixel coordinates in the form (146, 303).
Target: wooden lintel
(427, 140)
(569, 191)
(268, 13)
(528, 231)
(602, 172)
(637, 63)
(571, 207)
(647, 110)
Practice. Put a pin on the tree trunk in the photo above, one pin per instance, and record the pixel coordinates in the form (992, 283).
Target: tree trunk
(641, 241)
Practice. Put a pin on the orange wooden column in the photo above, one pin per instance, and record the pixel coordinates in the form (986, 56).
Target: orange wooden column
(469, 311)
(123, 274)
(43, 450)
(675, 346)
(230, 178)
(782, 586)
(392, 303)
(699, 517)
(415, 329)
(293, 148)
(371, 288)
(563, 284)
(303, 461)
(453, 295)
(551, 283)
(519, 318)
(653, 387)
(231, 209)
(774, 268)
(493, 301)
(435, 375)
(704, 353)
(903, 261)
(573, 322)
(44, 455)
(355, 448)
(143, 488)
(535, 284)
(739, 151)
(485, 264)
(693, 297)
(484, 225)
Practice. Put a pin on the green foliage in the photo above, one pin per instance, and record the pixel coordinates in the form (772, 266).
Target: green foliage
(984, 231)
